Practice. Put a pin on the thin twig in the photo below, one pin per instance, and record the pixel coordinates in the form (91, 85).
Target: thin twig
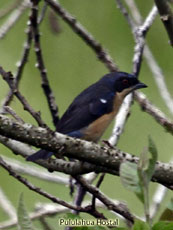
(120, 209)
(157, 114)
(23, 60)
(42, 14)
(93, 203)
(47, 210)
(48, 195)
(9, 110)
(13, 18)
(139, 35)
(20, 65)
(151, 61)
(8, 77)
(37, 189)
(84, 34)
(159, 79)
(40, 63)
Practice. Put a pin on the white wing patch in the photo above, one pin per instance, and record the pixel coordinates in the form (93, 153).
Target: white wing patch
(104, 101)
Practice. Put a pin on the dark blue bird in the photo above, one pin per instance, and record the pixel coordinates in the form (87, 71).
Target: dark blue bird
(93, 109)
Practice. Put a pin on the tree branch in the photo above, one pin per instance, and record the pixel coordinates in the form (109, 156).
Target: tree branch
(107, 60)
(120, 209)
(158, 115)
(84, 34)
(109, 159)
(139, 38)
(152, 63)
(39, 190)
(20, 65)
(8, 77)
(48, 210)
(40, 63)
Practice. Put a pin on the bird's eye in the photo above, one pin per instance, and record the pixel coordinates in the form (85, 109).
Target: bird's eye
(125, 81)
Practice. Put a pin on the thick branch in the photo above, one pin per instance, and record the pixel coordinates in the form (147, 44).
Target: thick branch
(78, 149)
(68, 167)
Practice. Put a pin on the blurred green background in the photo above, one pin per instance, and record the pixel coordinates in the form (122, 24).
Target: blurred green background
(72, 66)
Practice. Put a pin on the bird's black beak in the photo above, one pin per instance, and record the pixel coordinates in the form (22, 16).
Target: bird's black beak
(139, 86)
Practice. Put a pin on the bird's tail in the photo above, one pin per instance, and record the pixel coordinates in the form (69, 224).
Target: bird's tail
(41, 154)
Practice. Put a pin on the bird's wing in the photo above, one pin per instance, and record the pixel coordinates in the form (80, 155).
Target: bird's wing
(85, 109)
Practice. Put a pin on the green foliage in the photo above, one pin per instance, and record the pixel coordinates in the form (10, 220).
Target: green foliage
(137, 177)
(146, 165)
(140, 225)
(24, 222)
(163, 225)
(130, 179)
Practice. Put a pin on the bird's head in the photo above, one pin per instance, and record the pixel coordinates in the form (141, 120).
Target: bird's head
(123, 83)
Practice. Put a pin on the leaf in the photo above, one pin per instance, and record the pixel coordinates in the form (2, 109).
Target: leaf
(168, 212)
(24, 222)
(130, 179)
(152, 161)
(163, 225)
(140, 225)
(146, 165)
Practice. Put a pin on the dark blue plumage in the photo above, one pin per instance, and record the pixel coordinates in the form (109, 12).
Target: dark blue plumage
(93, 109)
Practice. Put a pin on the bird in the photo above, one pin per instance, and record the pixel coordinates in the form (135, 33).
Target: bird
(92, 111)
